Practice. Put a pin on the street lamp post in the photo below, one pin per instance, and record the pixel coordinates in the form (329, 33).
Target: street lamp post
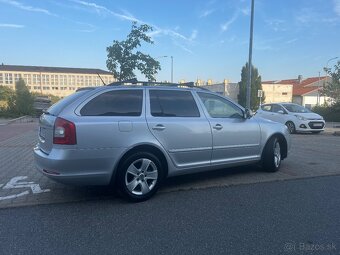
(250, 55)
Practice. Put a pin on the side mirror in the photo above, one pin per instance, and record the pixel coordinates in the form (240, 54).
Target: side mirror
(247, 114)
(280, 111)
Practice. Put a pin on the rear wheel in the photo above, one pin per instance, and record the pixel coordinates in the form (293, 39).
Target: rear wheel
(271, 158)
(291, 127)
(140, 176)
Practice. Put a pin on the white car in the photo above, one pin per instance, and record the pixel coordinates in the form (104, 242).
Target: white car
(296, 117)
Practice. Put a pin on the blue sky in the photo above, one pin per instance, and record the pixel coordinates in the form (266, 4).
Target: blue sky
(207, 39)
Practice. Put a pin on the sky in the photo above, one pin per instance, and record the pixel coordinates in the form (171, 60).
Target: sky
(208, 39)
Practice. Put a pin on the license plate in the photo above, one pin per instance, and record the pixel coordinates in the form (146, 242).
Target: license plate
(317, 125)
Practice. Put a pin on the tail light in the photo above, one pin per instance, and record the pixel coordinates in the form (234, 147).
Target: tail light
(64, 132)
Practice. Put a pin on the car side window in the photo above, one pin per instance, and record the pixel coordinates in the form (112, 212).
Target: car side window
(276, 108)
(219, 107)
(173, 103)
(115, 103)
(266, 108)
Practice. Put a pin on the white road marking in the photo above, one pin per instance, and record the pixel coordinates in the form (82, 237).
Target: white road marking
(18, 183)
(15, 196)
(15, 184)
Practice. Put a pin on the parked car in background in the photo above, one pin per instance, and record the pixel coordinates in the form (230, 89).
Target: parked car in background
(296, 117)
(133, 137)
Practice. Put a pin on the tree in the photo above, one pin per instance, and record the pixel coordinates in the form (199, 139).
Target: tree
(332, 88)
(123, 58)
(22, 102)
(256, 85)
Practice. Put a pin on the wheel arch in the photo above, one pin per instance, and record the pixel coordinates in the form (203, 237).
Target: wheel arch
(283, 144)
(142, 148)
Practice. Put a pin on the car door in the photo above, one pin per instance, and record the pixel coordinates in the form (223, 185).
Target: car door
(266, 112)
(175, 120)
(235, 138)
(278, 114)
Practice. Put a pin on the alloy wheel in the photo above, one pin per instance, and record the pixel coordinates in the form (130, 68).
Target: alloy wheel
(141, 176)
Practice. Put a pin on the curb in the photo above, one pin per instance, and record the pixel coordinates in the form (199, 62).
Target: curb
(20, 120)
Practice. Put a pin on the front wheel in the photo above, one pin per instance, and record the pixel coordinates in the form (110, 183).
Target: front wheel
(291, 127)
(140, 176)
(271, 158)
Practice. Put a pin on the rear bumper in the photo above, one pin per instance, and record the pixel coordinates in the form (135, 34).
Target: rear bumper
(77, 167)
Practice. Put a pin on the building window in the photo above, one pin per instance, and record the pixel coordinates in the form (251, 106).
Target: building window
(36, 79)
(62, 80)
(284, 93)
(72, 80)
(46, 88)
(80, 80)
(28, 79)
(8, 78)
(36, 87)
(1, 78)
(87, 81)
(17, 77)
(46, 79)
(54, 79)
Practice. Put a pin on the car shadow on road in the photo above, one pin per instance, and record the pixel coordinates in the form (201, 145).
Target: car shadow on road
(202, 177)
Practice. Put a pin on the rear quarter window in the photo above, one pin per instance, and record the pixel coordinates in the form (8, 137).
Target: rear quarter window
(60, 105)
(115, 103)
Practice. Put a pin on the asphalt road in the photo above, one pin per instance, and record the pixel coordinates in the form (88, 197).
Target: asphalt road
(286, 217)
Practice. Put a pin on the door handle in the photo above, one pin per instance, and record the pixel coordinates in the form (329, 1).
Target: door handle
(159, 127)
(218, 127)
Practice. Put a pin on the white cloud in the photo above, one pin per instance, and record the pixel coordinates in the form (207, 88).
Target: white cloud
(245, 11)
(193, 35)
(102, 9)
(226, 25)
(125, 15)
(11, 25)
(27, 7)
(337, 6)
(292, 41)
(206, 13)
(276, 24)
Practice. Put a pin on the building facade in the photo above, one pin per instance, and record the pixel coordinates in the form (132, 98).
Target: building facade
(58, 81)
(225, 88)
(276, 92)
(306, 92)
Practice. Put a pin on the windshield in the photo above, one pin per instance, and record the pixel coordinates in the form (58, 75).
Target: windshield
(296, 108)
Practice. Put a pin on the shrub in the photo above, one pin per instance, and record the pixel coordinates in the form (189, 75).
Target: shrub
(329, 113)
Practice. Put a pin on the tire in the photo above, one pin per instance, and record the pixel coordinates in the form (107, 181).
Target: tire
(271, 157)
(291, 127)
(140, 176)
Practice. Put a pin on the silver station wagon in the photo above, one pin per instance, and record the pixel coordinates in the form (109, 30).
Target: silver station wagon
(134, 136)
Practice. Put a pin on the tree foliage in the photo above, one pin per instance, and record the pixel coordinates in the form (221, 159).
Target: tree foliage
(21, 103)
(123, 58)
(256, 85)
(332, 88)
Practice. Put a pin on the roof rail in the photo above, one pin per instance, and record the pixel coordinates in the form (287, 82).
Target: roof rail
(154, 83)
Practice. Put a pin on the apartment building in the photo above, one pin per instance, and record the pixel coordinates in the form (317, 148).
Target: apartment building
(58, 81)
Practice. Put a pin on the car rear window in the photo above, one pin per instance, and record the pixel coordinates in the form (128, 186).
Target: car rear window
(115, 103)
(60, 105)
(167, 103)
